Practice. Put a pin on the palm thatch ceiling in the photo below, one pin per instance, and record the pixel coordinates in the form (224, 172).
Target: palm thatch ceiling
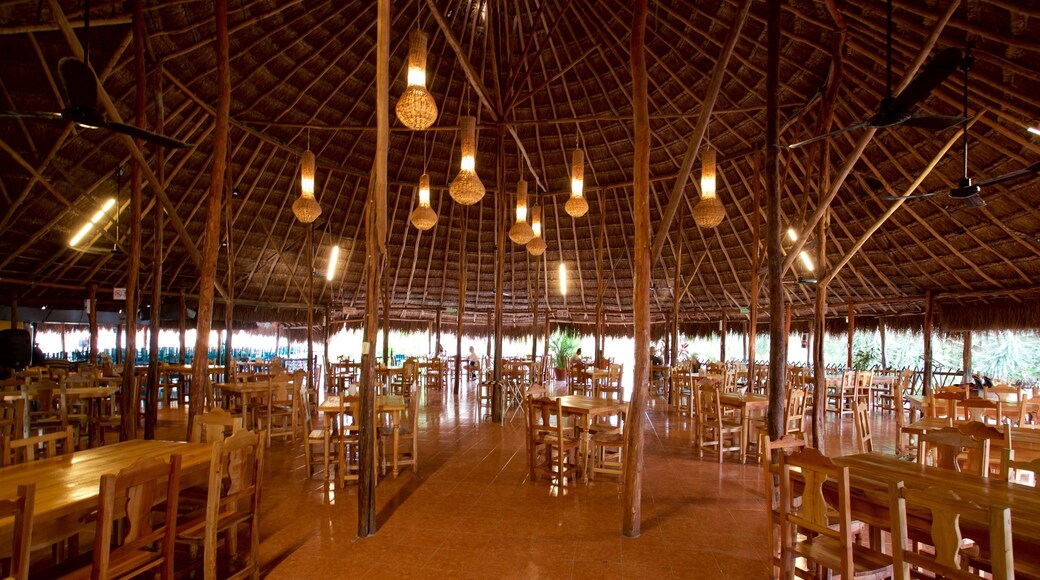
(549, 74)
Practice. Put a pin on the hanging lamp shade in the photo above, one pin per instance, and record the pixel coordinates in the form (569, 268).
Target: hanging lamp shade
(577, 206)
(416, 108)
(709, 211)
(423, 217)
(521, 232)
(467, 188)
(537, 245)
(306, 208)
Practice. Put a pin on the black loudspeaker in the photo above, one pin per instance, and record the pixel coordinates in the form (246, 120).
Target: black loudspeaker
(15, 348)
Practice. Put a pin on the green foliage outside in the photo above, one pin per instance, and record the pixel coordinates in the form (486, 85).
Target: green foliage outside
(562, 344)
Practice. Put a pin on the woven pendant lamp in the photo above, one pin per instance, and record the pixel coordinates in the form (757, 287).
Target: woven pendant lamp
(423, 217)
(467, 188)
(709, 211)
(416, 108)
(521, 232)
(306, 208)
(577, 206)
(537, 245)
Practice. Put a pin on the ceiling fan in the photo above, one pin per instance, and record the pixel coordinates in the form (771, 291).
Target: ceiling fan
(967, 191)
(896, 111)
(81, 86)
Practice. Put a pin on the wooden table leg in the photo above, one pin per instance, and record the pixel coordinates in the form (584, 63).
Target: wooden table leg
(745, 419)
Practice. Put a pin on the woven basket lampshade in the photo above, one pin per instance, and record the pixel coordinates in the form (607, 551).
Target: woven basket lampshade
(423, 217)
(577, 206)
(537, 245)
(709, 211)
(306, 208)
(521, 232)
(467, 188)
(416, 108)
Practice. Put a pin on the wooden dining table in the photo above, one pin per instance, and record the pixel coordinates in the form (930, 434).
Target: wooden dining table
(67, 485)
(747, 406)
(588, 409)
(872, 474)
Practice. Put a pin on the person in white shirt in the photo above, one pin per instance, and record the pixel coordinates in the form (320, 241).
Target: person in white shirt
(575, 359)
(473, 362)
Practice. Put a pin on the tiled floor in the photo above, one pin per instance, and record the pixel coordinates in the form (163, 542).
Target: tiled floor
(470, 511)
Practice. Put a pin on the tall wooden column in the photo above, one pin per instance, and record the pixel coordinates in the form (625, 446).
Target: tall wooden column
(182, 329)
(501, 223)
(152, 405)
(462, 298)
(201, 390)
(310, 306)
(851, 331)
(535, 328)
(91, 322)
(966, 356)
(597, 354)
(881, 332)
(756, 264)
(437, 328)
(641, 253)
(774, 251)
(723, 330)
(673, 354)
(375, 238)
(929, 312)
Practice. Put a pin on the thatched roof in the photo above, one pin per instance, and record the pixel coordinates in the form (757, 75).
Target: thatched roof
(556, 73)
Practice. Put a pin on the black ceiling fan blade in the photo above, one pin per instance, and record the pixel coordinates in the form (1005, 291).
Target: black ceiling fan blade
(1031, 170)
(33, 115)
(80, 83)
(913, 195)
(931, 76)
(826, 135)
(138, 133)
(933, 122)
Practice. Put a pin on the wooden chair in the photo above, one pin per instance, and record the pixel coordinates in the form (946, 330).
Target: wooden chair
(839, 398)
(609, 447)
(552, 446)
(864, 382)
(29, 449)
(794, 412)
(12, 418)
(435, 374)
(949, 512)
(233, 498)
(682, 392)
(579, 381)
(713, 427)
(278, 418)
(144, 542)
(20, 507)
(1016, 471)
(944, 404)
(770, 469)
(807, 530)
(214, 425)
(610, 387)
(974, 409)
(863, 431)
(401, 439)
(948, 444)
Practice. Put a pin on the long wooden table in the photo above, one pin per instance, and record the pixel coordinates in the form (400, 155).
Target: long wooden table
(872, 474)
(67, 485)
(746, 405)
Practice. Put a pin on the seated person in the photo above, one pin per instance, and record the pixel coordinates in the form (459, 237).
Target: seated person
(473, 362)
(575, 360)
(656, 361)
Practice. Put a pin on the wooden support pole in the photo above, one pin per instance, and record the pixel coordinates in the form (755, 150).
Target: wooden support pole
(201, 390)
(91, 323)
(501, 223)
(386, 315)
(437, 328)
(723, 330)
(700, 129)
(374, 245)
(462, 298)
(851, 331)
(929, 312)
(535, 328)
(229, 304)
(119, 344)
(182, 329)
(151, 414)
(597, 354)
(881, 332)
(633, 460)
(310, 307)
(966, 356)
(756, 265)
(673, 354)
(326, 337)
(774, 251)
(64, 352)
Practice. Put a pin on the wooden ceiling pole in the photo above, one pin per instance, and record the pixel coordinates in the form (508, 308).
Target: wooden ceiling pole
(151, 409)
(694, 143)
(929, 313)
(850, 331)
(501, 223)
(866, 137)
(91, 321)
(774, 250)
(182, 329)
(463, 243)
(375, 230)
(756, 265)
(641, 300)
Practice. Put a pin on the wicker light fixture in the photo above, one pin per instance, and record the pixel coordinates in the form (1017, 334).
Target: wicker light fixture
(709, 211)
(576, 206)
(423, 217)
(306, 208)
(521, 232)
(467, 188)
(416, 108)
(537, 245)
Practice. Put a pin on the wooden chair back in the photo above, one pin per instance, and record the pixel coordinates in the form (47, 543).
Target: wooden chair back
(140, 487)
(944, 404)
(233, 496)
(786, 445)
(794, 411)
(974, 409)
(1003, 392)
(863, 431)
(549, 436)
(20, 506)
(214, 425)
(1019, 471)
(949, 511)
(29, 449)
(12, 417)
(815, 515)
(864, 379)
(949, 443)
(709, 406)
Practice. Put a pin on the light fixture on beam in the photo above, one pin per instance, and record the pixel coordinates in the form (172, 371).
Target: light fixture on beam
(306, 208)
(521, 232)
(792, 235)
(1034, 130)
(330, 273)
(577, 206)
(807, 261)
(467, 188)
(537, 244)
(416, 108)
(563, 279)
(709, 211)
(423, 217)
(87, 227)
